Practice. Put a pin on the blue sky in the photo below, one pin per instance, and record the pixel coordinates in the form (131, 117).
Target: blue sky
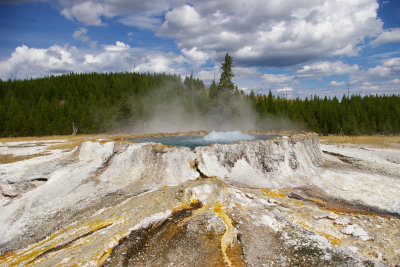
(302, 49)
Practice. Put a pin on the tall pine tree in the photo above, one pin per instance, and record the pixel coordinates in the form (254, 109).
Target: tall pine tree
(225, 82)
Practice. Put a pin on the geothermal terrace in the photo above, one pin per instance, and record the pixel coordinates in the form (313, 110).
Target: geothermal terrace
(283, 201)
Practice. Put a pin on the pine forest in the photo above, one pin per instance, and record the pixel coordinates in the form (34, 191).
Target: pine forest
(105, 103)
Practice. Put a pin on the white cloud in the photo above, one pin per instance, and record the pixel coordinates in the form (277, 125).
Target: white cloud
(123, 7)
(87, 12)
(161, 62)
(285, 90)
(368, 87)
(326, 68)
(376, 87)
(81, 35)
(195, 56)
(276, 32)
(143, 14)
(336, 83)
(389, 68)
(141, 21)
(388, 36)
(122, 57)
(382, 77)
(116, 57)
(184, 16)
(118, 46)
(28, 62)
(246, 72)
(395, 82)
(277, 78)
(378, 72)
(393, 63)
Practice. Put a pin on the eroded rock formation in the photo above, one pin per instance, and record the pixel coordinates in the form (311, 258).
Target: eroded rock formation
(279, 202)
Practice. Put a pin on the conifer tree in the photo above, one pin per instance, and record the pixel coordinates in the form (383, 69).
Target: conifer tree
(225, 82)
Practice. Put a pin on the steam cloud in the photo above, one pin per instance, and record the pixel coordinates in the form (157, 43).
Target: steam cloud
(232, 136)
(166, 111)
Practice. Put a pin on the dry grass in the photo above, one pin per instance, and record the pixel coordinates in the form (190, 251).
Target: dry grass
(71, 138)
(68, 146)
(9, 158)
(33, 138)
(379, 140)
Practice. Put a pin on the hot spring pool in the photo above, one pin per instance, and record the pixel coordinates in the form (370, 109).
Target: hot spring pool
(193, 141)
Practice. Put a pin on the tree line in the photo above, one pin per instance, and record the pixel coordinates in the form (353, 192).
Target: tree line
(99, 103)
(354, 115)
(94, 103)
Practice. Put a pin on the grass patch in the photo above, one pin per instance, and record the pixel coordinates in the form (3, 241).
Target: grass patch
(381, 141)
(74, 142)
(69, 141)
(64, 146)
(9, 158)
(71, 138)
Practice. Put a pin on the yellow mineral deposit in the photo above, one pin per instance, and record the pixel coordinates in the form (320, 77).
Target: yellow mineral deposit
(69, 237)
(274, 193)
(332, 239)
(231, 250)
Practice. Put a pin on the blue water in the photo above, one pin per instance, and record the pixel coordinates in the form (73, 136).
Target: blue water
(192, 141)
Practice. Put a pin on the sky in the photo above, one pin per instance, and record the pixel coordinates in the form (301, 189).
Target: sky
(295, 48)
